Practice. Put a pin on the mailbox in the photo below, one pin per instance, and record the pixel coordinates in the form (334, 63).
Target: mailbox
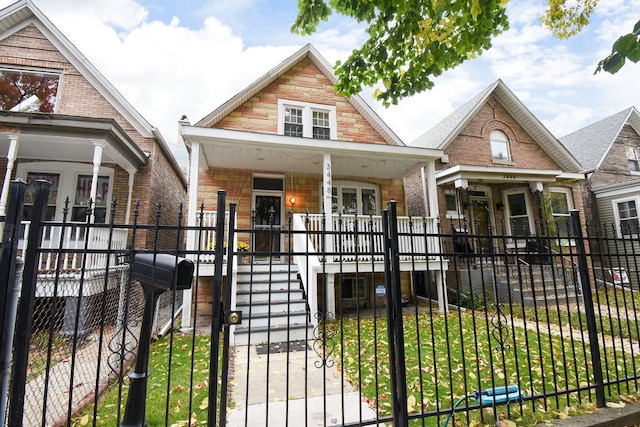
(160, 270)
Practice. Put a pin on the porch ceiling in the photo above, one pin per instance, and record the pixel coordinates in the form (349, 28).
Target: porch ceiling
(487, 174)
(69, 138)
(221, 148)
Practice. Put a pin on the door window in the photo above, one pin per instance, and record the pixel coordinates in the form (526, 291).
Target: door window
(518, 215)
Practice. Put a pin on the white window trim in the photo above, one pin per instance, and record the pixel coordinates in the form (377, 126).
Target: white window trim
(506, 141)
(69, 173)
(632, 154)
(307, 117)
(359, 186)
(616, 213)
(507, 215)
(37, 70)
(569, 194)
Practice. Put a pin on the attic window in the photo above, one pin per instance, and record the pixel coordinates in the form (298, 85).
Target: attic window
(28, 90)
(303, 119)
(632, 159)
(500, 147)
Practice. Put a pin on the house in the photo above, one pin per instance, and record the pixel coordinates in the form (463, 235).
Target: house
(62, 121)
(499, 162)
(501, 167)
(289, 142)
(609, 150)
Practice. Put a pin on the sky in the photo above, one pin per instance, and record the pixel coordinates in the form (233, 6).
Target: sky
(172, 58)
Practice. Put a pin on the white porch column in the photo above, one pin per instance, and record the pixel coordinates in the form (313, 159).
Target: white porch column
(194, 166)
(132, 175)
(432, 189)
(98, 146)
(327, 195)
(11, 160)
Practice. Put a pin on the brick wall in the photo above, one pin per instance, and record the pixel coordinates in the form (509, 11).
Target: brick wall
(615, 168)
(304, 83)
(156, 182)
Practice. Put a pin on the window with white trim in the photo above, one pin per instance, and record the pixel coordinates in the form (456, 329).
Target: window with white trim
(561, 204)
(72, 180)
(499, 146)
(626, 214)
(28, 90)
(304, 119)
(517, 214)
(354, 198)
(632, 159)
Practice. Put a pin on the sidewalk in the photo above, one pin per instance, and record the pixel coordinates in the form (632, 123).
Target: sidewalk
(268, 402)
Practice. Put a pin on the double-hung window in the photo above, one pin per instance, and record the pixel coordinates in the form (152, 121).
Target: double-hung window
(500, 147)
(626, 214)
(303, 119)
(518, 214)
(561, 205)
(632, 159)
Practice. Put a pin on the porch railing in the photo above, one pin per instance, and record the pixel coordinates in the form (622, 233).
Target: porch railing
(63, 246)
(360, 236)
(206, 237)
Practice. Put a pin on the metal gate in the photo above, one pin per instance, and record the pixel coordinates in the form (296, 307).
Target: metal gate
(349, 320)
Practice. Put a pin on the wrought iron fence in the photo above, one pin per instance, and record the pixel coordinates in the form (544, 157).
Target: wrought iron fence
(431, 325)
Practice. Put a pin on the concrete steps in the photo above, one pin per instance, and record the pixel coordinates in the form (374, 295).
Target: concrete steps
(273, 305)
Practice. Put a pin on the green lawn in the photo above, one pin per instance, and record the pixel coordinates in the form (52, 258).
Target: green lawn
(180, 400)
(438, 378)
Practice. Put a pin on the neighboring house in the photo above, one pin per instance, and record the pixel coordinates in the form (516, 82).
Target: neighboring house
(499, 165)
(289, 142)
(62, 121)
(610, 152)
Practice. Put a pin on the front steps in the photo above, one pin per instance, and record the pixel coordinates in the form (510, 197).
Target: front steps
(273, 304)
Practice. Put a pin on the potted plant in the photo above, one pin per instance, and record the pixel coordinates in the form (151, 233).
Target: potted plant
(243, 249)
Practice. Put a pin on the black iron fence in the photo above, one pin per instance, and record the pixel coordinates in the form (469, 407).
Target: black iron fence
(316, 320)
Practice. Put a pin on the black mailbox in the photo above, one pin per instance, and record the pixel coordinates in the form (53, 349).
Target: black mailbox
(160, 270)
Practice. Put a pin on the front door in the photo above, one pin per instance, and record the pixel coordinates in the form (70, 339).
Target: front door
(481, 219)
(267, 239)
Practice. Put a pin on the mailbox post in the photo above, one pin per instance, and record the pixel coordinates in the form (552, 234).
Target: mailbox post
(157, 273)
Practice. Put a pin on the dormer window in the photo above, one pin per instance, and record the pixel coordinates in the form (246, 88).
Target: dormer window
(632, 159)
(500, 147)
(303, 119)
(30, 91)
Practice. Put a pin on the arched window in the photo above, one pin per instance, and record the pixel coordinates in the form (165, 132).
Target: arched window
(500, 146)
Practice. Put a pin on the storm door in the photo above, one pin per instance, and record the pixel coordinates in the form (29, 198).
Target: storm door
(268, 198)
(481, 220)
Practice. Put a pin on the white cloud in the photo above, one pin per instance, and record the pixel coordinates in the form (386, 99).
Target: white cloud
(167, 69)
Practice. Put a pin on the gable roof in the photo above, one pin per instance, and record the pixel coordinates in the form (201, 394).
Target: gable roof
(591, 144)
(310, 52)
(19, 15)
(445, 132)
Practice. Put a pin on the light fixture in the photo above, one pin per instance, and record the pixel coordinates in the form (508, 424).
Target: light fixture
(292, 200)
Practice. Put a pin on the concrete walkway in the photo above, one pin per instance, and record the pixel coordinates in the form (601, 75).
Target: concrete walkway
(265, 393)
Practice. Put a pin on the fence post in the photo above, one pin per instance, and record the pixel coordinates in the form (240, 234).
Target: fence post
(588, 308)
(216, 319)
(24, 320)
(395, 327)
(10, 277)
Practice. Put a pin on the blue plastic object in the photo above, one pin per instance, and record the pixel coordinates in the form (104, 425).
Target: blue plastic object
(498, 395)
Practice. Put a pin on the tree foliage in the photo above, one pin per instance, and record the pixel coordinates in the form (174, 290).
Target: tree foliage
(410, 42)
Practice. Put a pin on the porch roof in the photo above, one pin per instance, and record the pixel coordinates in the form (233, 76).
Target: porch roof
(224, 148)
(69, 138)
(486, 174)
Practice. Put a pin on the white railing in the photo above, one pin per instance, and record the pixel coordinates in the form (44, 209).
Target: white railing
(74, 242)
(205, 238)
(361, 237)
(308, 264)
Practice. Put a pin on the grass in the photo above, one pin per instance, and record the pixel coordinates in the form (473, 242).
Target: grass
(460, 357)
(170, 401)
